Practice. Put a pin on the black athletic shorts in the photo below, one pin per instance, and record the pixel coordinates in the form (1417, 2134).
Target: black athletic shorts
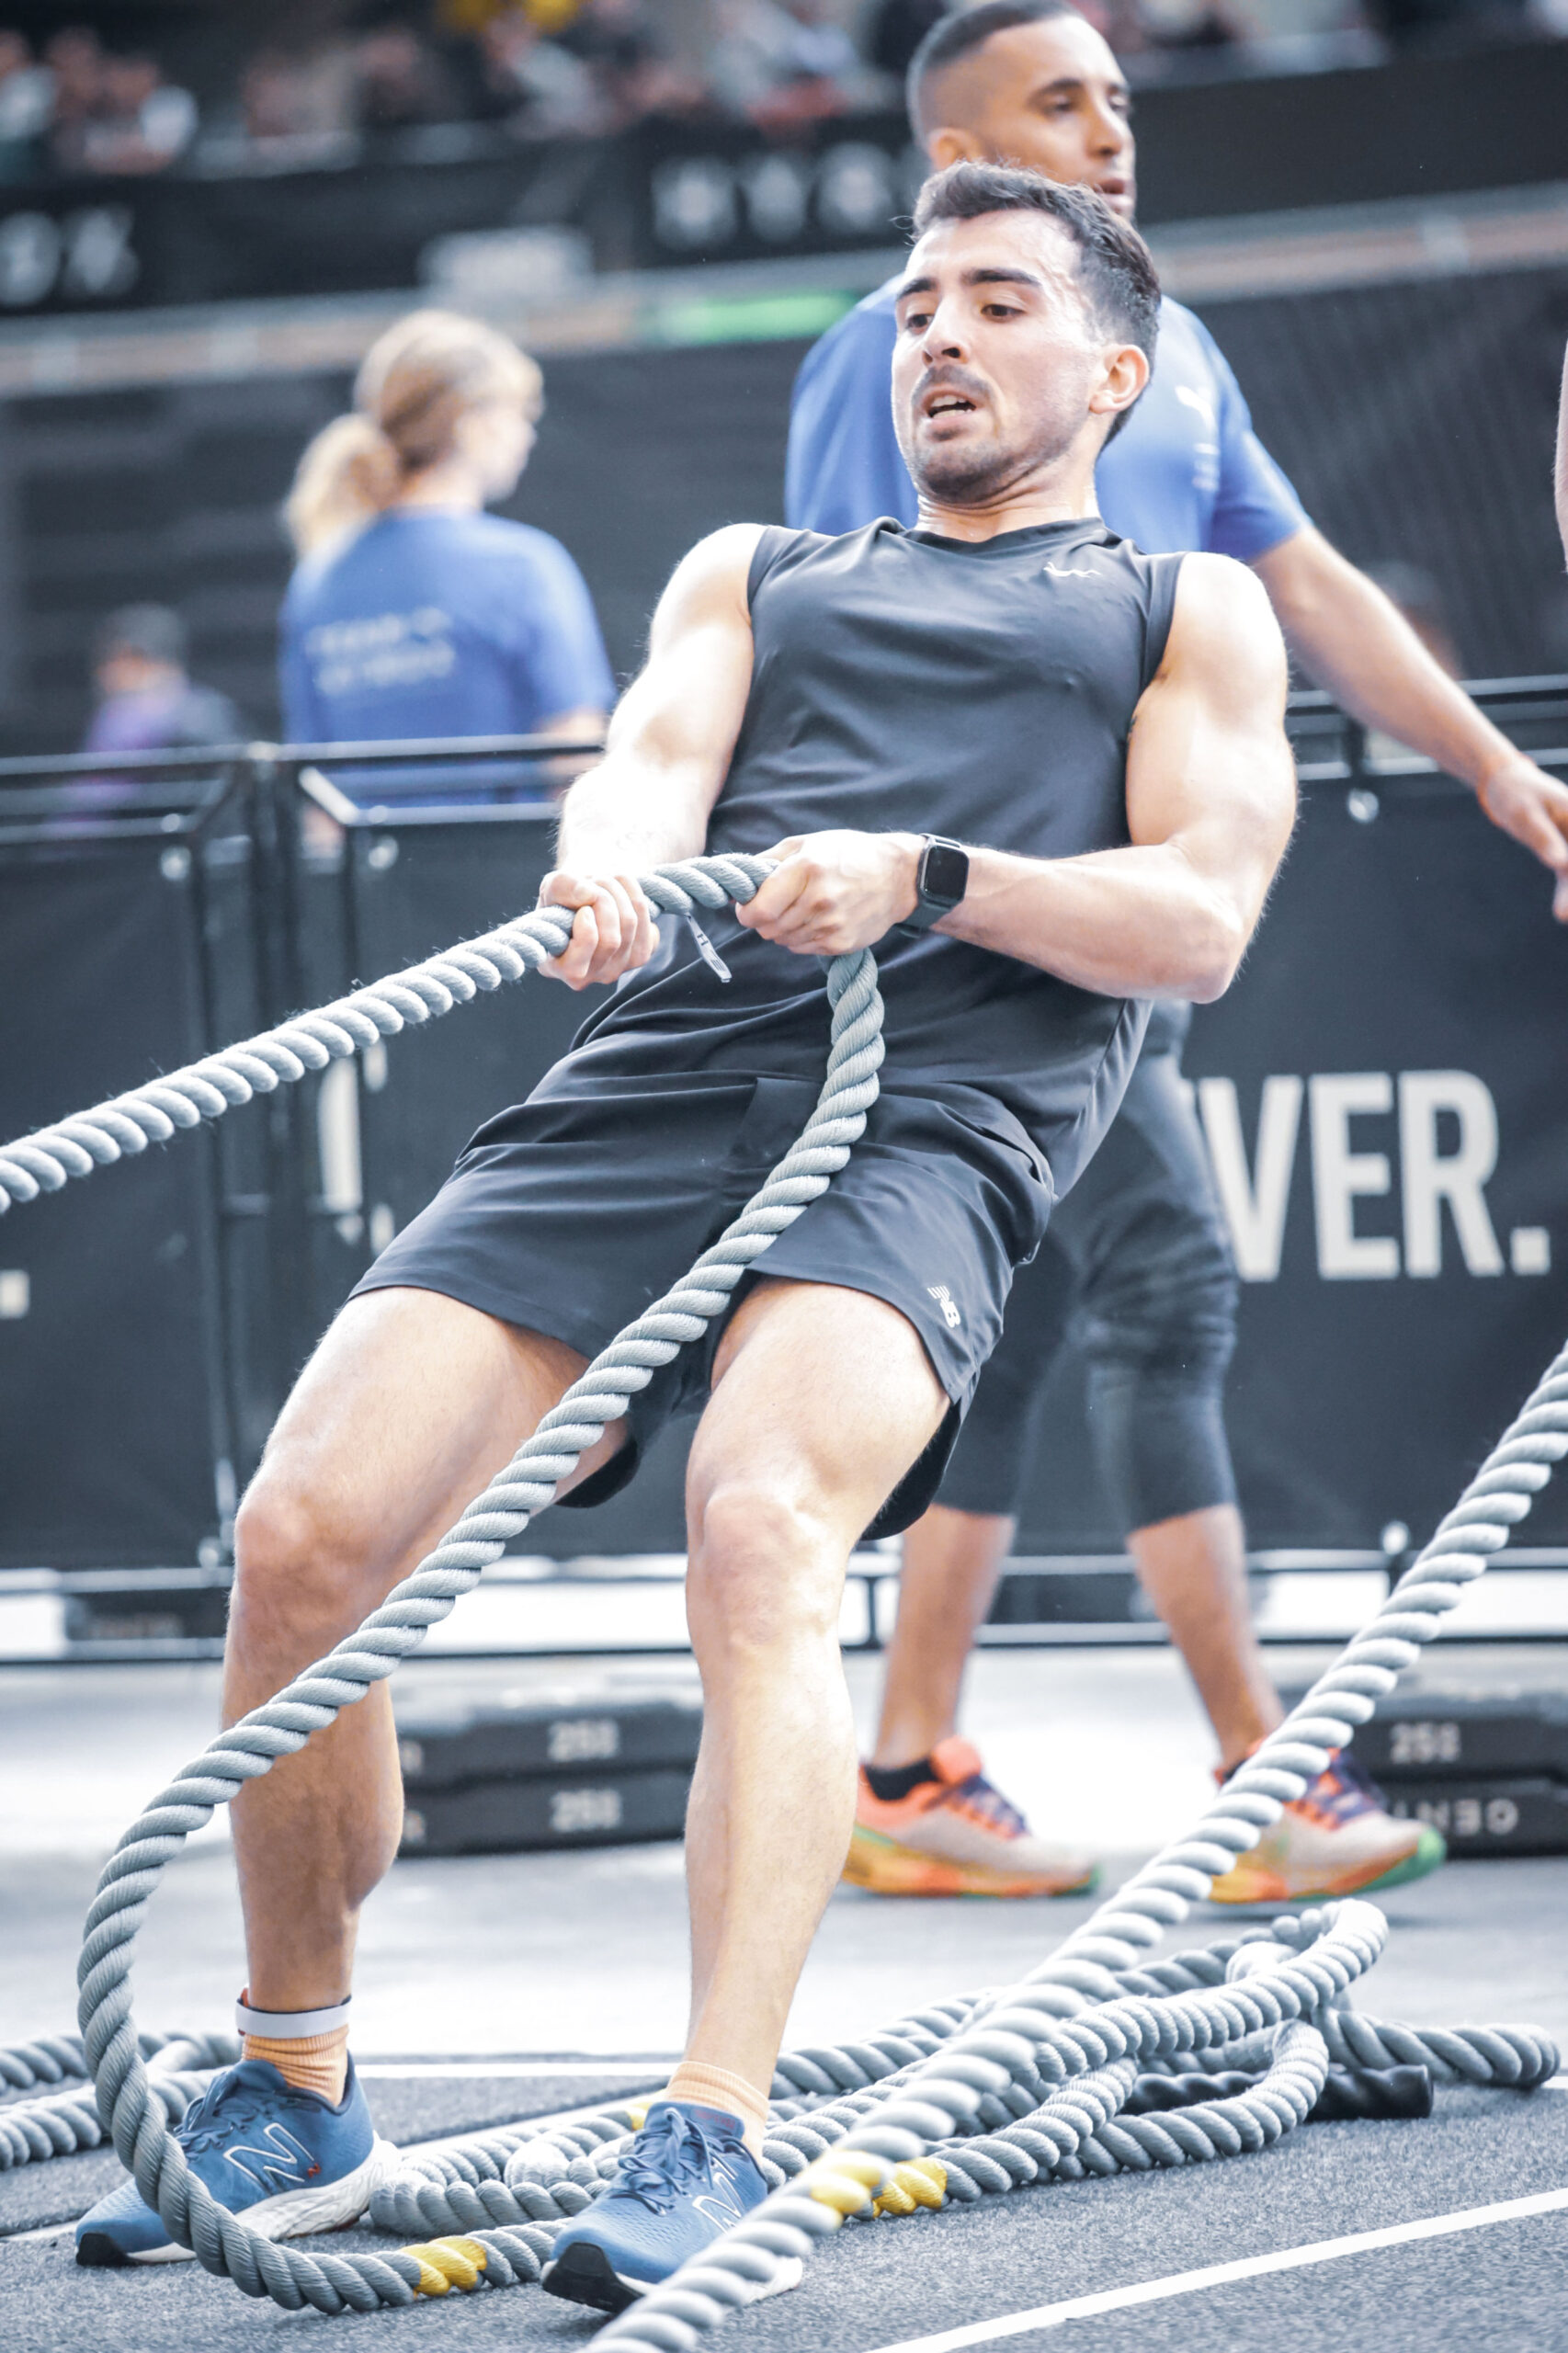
(572, 1213)
(1136, 1272)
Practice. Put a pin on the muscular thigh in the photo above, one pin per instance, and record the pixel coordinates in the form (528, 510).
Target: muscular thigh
(410, 1405)
(825, 1395)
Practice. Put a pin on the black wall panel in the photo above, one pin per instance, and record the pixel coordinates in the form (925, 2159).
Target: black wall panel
(110, 1395)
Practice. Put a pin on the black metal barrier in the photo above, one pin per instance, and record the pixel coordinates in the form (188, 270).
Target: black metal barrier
(1383, 1090)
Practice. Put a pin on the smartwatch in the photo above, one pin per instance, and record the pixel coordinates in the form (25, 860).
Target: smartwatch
(941, 879)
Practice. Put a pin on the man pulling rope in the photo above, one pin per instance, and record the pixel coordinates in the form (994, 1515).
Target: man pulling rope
(1082, 751)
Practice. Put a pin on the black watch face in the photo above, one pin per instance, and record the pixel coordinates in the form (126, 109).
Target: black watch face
(945, 874)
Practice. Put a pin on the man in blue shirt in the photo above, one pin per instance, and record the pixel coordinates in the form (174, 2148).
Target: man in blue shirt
(1155, 1286)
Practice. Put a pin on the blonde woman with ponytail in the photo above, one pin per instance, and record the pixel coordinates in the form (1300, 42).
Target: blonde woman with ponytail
(413, 613)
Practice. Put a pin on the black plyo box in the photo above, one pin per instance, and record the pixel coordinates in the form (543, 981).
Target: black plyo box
(528, 1815)
(1455, 1732)
(448, 1741)
(1513, 1815)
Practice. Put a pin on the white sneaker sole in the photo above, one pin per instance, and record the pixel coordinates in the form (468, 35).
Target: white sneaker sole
(790, 2274)
(300, 2213)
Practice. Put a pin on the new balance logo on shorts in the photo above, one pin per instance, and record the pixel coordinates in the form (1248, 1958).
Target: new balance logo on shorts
(944, 1299)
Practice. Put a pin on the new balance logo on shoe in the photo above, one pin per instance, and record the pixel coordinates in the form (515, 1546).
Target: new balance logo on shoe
(945, 1301)
(281, 2164)
(723, 2204)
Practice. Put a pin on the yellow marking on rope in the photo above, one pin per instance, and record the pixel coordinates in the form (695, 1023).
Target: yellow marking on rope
(845, 2179)
(638, 2111)
(446, 2264)
(922, 2182)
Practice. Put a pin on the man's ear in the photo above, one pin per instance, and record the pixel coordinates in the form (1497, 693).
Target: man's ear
(952, 146)
(1127, 372)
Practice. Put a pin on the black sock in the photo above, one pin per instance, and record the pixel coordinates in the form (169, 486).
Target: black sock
(891, 1783)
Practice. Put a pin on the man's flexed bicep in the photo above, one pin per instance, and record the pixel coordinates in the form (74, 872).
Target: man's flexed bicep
(667, 756)
(1210, 779)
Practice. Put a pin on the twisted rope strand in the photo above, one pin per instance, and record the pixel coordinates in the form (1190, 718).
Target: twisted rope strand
(221, 2241)
(1080, 1978)
(152, 1113)
(975, 2097)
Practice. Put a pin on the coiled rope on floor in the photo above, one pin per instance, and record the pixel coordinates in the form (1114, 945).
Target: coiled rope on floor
(1083, 1985)
(981, 2096)
(136, 2118)
(59, 2122)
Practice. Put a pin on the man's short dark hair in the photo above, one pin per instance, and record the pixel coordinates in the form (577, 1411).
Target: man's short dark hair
(964, 31)
(1114, 264)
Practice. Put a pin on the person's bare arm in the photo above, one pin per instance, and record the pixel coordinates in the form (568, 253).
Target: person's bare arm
(1357, 643)
(1211, 800)
(586, 724)
(666, 759)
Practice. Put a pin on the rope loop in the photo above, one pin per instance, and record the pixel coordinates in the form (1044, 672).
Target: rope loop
(980, 2095)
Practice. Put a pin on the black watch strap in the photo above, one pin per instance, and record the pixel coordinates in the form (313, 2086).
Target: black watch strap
(941, 878)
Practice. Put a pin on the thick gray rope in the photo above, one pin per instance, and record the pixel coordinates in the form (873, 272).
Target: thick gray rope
(60, 2122)
(1071, 2021)
(126, 1124)
(1079, 1986)
(1372, 1663)
(221, 2241)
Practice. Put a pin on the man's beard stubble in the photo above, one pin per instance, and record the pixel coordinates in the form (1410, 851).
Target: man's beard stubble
(960, 477)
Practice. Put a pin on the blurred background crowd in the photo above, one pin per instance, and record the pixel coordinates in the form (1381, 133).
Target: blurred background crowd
(157, 89)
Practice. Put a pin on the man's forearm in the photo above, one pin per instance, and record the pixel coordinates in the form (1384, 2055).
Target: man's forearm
(1124, 922)
(1353, 640)
(623, 817)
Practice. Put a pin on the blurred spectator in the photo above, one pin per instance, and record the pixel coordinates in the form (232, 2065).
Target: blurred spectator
(26, 108)
(620, 43)
(537, 85)
(783, 61)
(402, 81)
(74, 61)
(413, 613)
(147, 700)
(297, 105)
(897, 29)
(139, 122)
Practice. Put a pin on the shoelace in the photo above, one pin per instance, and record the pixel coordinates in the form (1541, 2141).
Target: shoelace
(1343, 1790)
(985, 1798)
(667, 2157)
(223, 2109)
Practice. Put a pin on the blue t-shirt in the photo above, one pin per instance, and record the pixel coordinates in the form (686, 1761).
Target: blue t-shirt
(1186, 473)
(427, 623)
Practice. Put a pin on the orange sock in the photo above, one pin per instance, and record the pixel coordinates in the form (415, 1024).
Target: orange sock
(313, 2060)
(716, 2088)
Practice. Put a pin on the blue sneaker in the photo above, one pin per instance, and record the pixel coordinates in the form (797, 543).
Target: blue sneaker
(286, 2160)
(687, 2178)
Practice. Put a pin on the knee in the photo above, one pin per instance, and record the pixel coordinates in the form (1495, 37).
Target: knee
(296, 1570)
(765, 1568)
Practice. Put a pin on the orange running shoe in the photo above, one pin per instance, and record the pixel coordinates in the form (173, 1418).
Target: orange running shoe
(1337, 1839)
(955, 1835)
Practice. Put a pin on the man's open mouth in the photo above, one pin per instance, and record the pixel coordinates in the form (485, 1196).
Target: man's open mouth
(947, 404)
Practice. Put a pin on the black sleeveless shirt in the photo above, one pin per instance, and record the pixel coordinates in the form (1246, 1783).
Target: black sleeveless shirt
(905, 682)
